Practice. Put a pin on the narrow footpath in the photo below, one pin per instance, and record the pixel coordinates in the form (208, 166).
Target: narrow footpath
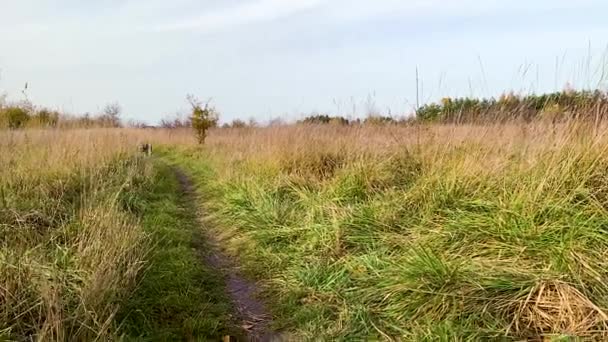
(249, 311)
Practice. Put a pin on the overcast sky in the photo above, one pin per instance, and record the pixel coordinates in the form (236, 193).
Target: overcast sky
(269, 58)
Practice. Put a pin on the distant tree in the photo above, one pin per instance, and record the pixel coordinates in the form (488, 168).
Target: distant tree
(237, 123)
(203, 118)
(252, 122)
(511, 106)
(378, 120)
(86, 121)
(338, 120)
(111, 114)
(176, 121)
(325, 119)
(137, 124)
(46, 118)
(429, 112)
(276, 122)
(17, 117)
(317, 119)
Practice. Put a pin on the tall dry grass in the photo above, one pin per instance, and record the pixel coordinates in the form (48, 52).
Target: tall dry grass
(71, 245)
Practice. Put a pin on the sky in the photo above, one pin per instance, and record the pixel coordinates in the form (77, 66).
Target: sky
(264, 59)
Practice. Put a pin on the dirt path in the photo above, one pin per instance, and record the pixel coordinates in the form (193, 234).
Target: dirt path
(249, 310)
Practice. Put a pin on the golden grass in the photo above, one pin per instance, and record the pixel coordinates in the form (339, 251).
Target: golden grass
(69, 252)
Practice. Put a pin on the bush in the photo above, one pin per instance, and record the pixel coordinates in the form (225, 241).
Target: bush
(316, 119)
(235, 124)
(378, 120)
(431, 112)
(16, 117)
(203, 118)
(46, 118)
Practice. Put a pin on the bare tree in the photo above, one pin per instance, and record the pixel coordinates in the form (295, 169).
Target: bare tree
(175, 121)
(111, 114)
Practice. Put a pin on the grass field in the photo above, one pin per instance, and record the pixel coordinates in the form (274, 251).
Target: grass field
(424, 232)
(420, 232)
(70, 246)
(95, 241)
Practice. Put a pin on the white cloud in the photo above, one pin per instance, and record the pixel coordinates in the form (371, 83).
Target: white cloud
(247, 13)
(360, 9)
(353, 10)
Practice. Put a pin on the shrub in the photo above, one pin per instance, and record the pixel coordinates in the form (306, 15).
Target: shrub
(378, 120)
(235, 124)
(16, 117)
(203, 118)
(316, 119)
(46, 118)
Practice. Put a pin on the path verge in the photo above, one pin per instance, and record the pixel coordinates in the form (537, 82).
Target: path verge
(179, 296)
(249, 310)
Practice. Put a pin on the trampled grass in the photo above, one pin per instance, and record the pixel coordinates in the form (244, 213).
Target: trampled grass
(451, 232)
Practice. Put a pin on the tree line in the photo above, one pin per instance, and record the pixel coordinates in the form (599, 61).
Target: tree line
(26, 115)
(556, 106)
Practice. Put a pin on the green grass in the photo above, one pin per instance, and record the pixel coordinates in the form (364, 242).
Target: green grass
(398, 246)
(178, 297)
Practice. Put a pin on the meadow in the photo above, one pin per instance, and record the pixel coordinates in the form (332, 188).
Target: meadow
(68, 249)
(418, 231)
(452, 232)
(83, 217)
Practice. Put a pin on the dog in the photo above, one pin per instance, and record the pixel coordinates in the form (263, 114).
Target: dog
(146, 149)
